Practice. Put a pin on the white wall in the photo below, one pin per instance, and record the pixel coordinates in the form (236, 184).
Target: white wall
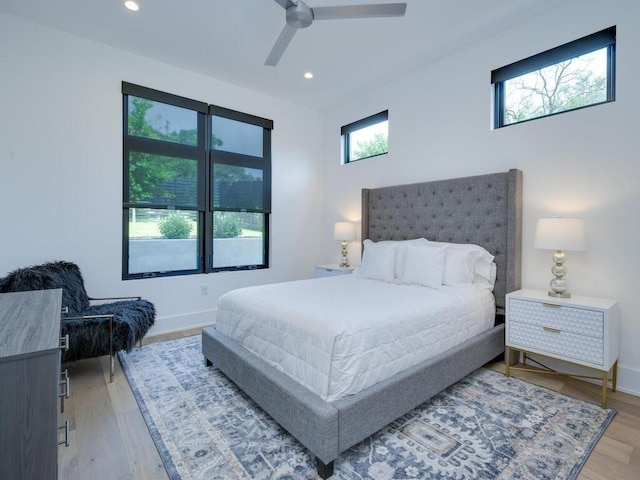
(61, 161)
(61, 168)
(583, 163)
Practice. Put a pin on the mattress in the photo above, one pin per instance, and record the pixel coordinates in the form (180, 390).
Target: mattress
(339, 335)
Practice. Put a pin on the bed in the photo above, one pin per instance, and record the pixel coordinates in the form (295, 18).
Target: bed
(483, 210)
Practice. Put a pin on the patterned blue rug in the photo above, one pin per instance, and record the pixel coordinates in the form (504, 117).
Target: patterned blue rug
(487, 426)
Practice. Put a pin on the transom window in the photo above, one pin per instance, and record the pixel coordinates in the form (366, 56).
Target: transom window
(575, 75)
(197, 186)
(368, 137)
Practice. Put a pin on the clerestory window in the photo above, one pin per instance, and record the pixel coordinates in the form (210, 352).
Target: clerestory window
(365, 138)
(575, 75)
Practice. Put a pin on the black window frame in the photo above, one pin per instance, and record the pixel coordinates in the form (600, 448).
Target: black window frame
(206, 157)
(347, 130)
(590, 43)
(216, 156)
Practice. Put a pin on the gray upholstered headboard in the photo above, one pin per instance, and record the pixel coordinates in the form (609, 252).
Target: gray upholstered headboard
(485, 210)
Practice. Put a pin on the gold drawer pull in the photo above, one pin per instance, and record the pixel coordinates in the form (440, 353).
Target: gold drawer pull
(551, 329)
(552, 305)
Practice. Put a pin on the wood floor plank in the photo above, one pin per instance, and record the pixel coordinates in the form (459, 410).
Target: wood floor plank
(68, 459)
(144, 460)
(113, 443)
(625, 429)
(614, 449)
(101, 454)
(634, 461)
(603, 466)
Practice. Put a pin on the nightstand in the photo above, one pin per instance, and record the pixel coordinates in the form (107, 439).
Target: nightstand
(579, 330)
(332, 270)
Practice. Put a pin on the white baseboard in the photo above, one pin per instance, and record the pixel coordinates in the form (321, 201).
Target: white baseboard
(185, 321)
(629, 380)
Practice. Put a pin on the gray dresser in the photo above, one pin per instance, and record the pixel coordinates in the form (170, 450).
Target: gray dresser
(29, 384)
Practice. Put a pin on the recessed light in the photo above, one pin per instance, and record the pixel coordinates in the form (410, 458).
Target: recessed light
(131, 5)
(308, 75)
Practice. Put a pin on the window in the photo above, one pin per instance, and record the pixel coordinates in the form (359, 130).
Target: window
(240, 188)
(197, 186)
(365, 138)
(575, 75)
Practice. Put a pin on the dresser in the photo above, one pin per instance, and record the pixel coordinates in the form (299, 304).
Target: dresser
(579, 330)
(332, 270)
(30, 384)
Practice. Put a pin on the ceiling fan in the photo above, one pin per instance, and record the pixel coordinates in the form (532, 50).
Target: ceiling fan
(300, 15)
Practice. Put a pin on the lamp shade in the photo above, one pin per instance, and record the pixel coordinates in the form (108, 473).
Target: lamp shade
(344, 231)
(560, 234)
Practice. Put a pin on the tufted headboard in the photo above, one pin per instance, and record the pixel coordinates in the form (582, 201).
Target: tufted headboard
(484, 209)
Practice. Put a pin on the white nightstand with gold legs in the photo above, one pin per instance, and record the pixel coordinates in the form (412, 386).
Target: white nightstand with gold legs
(581, 331)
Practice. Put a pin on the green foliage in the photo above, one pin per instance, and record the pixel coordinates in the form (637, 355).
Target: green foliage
(226, 225)
(557, 88)
(378, 145)
(175, 226)
(141, 125)
(148, 171)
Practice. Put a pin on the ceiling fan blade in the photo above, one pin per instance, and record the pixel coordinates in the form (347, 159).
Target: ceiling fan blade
(281, 45)
(285, 3)
(359, 11)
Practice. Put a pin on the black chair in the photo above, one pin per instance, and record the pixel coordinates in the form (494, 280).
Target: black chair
(93, 330)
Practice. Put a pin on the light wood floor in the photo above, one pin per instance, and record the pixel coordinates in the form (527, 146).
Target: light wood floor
(110, 441)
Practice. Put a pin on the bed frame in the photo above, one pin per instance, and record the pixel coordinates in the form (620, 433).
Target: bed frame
(485, 210)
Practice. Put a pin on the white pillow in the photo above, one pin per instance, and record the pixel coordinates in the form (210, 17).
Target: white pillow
(458, 267)
(486, 282)
(424, 265)
(401, 253)
(378, 261)
(460, 256)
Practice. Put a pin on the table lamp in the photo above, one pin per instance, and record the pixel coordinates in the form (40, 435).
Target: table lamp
(560, 234)
(344, 231)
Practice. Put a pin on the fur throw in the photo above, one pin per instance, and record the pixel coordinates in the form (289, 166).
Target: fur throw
(48, 276)
(87, 337)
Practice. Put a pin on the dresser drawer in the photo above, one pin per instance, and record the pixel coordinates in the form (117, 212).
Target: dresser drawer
(567, 319)
(568, 344)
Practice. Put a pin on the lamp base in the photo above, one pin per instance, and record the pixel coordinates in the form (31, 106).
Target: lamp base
(559, 295)
(344, 263)
(559, 287)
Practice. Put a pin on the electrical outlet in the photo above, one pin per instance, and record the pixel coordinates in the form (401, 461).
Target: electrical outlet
(204, 289)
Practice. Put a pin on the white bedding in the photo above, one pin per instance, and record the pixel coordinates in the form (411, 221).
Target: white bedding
(340, 335)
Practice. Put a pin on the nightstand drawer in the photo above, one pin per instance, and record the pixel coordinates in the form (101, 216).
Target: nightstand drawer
(580, 321)
(545, 339)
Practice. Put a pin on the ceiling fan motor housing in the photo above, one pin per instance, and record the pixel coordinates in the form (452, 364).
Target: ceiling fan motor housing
(299, 16)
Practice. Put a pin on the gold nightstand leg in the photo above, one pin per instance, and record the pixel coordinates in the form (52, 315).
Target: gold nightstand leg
(507, 358)
(615, 376)
(605, 386)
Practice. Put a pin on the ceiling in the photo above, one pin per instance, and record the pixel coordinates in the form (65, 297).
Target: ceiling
(230, 39)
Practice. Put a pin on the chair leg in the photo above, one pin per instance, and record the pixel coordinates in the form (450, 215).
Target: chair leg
(111, 368)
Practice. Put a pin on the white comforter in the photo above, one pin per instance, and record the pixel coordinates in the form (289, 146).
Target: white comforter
(340, 335)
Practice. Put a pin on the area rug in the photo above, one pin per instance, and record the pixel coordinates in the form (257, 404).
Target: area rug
(486, 426)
